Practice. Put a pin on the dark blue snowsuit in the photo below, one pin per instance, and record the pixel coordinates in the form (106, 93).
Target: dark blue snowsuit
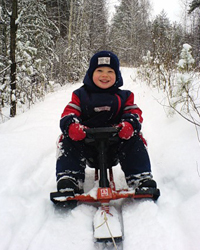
(95, 107)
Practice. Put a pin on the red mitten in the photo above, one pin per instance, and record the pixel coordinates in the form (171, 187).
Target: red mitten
(126, 130)
(76, 131)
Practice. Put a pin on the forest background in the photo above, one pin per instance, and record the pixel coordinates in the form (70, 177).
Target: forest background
(45, 44)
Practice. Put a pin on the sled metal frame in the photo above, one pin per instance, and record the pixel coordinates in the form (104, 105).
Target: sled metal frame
(105, 195)
(102, 138)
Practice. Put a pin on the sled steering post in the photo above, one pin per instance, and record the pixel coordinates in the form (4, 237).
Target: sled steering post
(101, 138)
(103, 182)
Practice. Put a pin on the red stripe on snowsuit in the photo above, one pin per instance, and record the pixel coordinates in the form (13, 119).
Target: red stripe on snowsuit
(73, 107)
(119, 104)
(143, 139)
(132, 108)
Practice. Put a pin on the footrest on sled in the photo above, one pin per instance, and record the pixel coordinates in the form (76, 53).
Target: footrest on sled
(59, 198)
(153, 192)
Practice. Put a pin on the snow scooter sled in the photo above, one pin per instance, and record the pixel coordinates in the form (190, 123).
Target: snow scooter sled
(106, 220)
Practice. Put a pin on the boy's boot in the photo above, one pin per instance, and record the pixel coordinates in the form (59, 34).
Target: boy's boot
(149, 183)
(142, 180)
(148, 186)
(69, 186)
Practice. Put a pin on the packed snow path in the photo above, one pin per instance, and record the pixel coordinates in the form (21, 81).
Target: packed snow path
(29, 221)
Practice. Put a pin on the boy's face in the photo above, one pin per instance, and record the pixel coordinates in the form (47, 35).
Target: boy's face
(104, 77)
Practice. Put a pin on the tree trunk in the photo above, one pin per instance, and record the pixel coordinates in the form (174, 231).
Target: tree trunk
(70, 45)
(13, 32)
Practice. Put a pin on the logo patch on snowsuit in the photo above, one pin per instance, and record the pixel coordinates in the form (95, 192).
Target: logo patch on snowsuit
(104, 108)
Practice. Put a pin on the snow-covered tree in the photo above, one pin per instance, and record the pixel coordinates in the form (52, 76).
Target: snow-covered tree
(194, 5)
(166, 39)
(187, 61)
(86, 29)
(185, 100)
(130, 33)
(146, 71)
(31, 52)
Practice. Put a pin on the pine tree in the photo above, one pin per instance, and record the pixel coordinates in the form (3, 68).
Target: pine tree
(185, 100)
(30, 50)
(166, 39)
(194, 5)
(35, 51)
(130, 31)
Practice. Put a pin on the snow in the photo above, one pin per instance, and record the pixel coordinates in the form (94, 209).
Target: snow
(29, 221)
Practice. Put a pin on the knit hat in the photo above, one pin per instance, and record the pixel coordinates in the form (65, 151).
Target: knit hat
(100, 59)
(104, 58)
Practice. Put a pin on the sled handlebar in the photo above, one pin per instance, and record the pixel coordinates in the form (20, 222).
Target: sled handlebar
(107, 130)
(103, 133)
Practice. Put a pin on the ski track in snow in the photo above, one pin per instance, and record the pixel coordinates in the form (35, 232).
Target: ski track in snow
(29, 221)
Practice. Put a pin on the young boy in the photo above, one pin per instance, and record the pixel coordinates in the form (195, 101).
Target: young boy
(100, 103)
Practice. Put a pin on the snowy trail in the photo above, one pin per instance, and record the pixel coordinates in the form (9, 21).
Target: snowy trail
(28, 220)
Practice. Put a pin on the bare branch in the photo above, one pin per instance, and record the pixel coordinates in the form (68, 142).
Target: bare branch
(1, 72)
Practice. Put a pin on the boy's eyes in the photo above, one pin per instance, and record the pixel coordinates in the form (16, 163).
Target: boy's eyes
(109, 71)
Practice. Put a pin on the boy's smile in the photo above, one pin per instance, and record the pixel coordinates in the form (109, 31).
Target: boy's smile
(104, 77)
